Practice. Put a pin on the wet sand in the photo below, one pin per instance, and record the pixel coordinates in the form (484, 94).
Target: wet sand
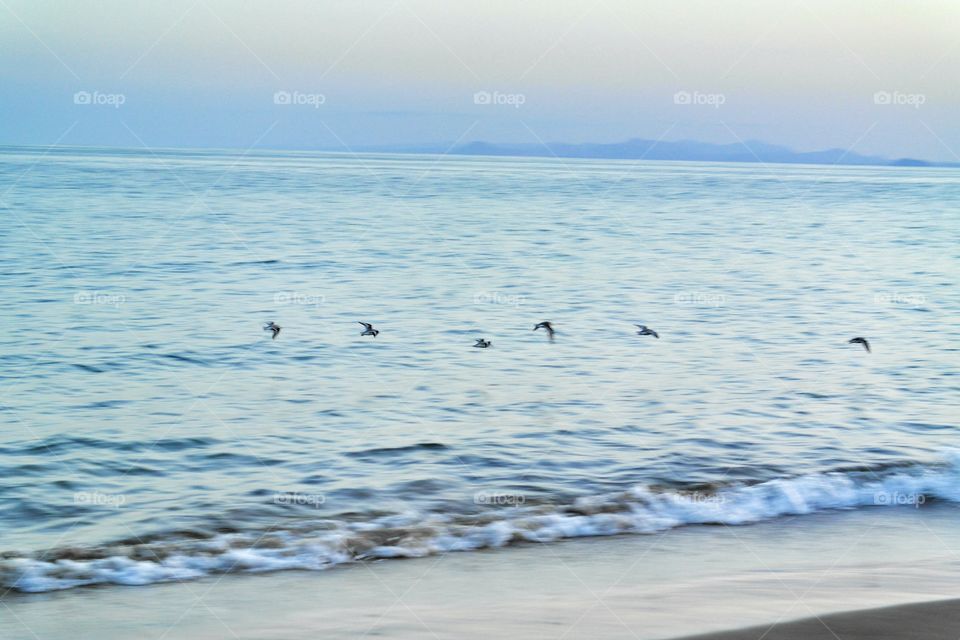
(928, 620)
(685, 582)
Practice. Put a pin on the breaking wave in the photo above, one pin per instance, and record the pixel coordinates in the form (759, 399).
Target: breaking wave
(499, 519)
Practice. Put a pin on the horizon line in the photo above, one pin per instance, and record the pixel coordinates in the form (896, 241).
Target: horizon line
(408, 149)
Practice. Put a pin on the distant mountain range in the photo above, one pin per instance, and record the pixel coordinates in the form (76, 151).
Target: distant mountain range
(639, 149)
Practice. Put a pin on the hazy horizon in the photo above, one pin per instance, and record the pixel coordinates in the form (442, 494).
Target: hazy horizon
(808, 75)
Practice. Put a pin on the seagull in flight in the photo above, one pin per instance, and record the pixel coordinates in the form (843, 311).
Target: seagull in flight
(369, 330)
(859, 340)
(482, 344)
(272, 326)
(647, 331)
(545, 325)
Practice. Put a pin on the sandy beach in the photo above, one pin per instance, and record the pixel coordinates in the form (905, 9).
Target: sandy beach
(928, 620)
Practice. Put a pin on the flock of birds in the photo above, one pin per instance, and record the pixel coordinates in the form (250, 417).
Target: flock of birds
(483, 343)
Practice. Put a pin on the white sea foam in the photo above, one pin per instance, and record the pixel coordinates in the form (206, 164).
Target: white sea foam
(640, 510)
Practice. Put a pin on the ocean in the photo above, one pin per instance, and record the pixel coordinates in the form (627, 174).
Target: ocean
(152, 431)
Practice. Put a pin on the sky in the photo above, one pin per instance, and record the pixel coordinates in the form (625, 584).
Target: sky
(879, 77)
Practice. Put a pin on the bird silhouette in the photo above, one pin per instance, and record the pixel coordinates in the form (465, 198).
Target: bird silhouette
(647, 331)
(272, 326)
(859, 340)
(545, 325)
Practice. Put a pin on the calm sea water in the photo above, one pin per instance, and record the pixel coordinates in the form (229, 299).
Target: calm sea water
(151, 430)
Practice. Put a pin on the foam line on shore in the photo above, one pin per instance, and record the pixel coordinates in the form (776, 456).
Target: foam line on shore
(318, 546)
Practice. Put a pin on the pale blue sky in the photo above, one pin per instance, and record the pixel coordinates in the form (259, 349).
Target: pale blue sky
(803, 73)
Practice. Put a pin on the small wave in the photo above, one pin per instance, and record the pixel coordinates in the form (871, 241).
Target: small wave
(252, 262)
(640, 510)
(88, 368)
(421, 446)
(59, 443)
(182, 358)
(103, 404)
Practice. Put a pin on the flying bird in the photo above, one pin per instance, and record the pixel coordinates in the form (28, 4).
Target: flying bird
(369, 330)
(859, 340)
(647, 331)
(482, 344)
(272, 326)
(545, 325)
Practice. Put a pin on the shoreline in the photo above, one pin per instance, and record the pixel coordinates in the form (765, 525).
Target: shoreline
(936, 620)
(680, 584)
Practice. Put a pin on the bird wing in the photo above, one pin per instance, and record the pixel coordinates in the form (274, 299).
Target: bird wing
(367, 325)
